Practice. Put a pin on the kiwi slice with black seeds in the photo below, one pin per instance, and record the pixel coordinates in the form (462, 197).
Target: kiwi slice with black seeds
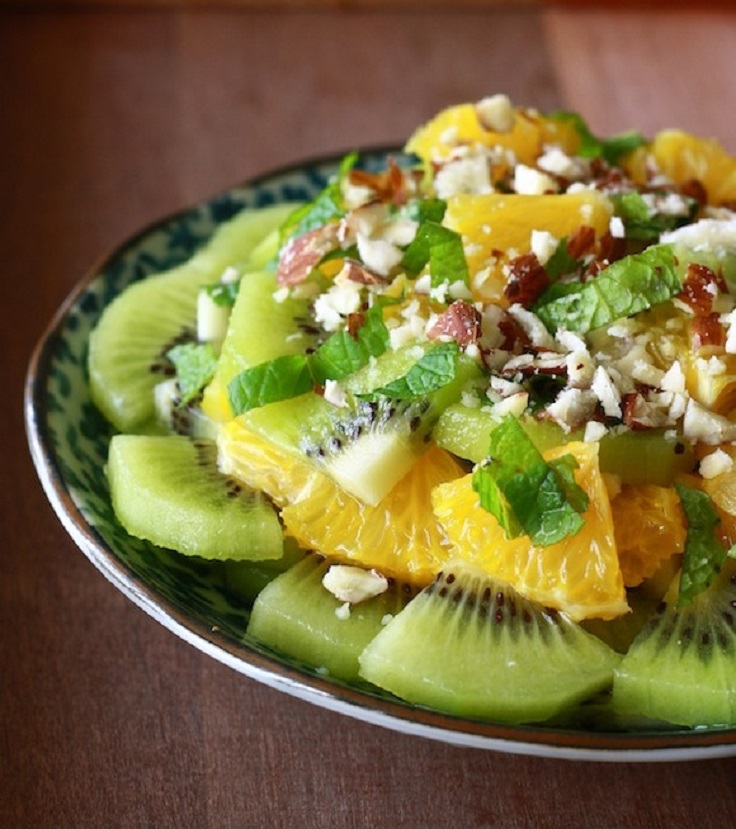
(680, 668)
(167, 490)
(297, 616)
(365, 446)
(472, 646)
(128, 347)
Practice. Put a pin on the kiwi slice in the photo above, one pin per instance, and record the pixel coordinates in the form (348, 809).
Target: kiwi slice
(366, 447)
(127, 349)
(297, 616)
(246, 579)
(680, 668)
(636, 457)
(167, 490)
(261, 328)
(472, 646)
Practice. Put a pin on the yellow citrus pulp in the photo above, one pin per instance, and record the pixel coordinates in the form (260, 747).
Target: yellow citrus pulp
(580, 575)
(649, 528)
(496, 226)
(683, 157)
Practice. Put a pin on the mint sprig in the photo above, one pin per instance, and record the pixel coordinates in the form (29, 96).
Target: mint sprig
(611, 148)
(223, 293)
(630, 285)
(434, 370)
(643, 223)
(527, 495)
(343, 353)
(326, 206)
(443, 249)
(195, 365)
(704, 554)
(280, 379)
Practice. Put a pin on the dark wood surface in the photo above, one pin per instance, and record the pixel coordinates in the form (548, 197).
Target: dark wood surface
(109, 120)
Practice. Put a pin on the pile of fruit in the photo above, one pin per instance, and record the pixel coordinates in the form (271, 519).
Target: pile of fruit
(462, 429)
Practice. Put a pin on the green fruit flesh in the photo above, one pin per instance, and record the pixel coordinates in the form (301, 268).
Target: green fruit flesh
(365, 447)
(680, 669)
(473, 647)
(167, 490)
(247, 578)
(127, 351)
(296, 616)
(636, 457)
(261, 328)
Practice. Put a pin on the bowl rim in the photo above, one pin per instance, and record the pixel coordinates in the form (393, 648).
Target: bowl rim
(668, 745)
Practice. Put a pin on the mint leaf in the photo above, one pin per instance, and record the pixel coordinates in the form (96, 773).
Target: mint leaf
(434, 370)
(640, 221)
(426, 210)
(443, 249)
(561, 263)
(342, 354)
(611, 149)
(223, 293)
(326, 205)
(526, 494)
(625, 287)
(195, 365)
(704, 554)
(279, 379)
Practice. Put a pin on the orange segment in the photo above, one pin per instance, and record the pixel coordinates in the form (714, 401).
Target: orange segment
(260, 464)
(649, 527)
(579, 575)
(683, 157)
(495, 222)
(460, 125)
(399, 537)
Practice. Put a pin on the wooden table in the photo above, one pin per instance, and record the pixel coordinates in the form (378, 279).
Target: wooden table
(112, 119)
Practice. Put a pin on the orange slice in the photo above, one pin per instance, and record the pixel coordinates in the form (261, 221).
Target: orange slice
(399, 537)
(579, 575)
(261, 464)
(493, 223)
(683, 157)
(459, 125)
(649, 527)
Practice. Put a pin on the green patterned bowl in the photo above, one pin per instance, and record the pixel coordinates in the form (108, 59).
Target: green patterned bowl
(68, 440)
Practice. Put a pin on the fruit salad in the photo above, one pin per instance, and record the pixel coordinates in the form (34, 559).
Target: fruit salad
(462, 429)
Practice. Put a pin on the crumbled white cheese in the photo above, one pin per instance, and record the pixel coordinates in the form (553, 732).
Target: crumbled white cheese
(531, 182)
(496, 113)
(532, 326)
(470, 175)
(616, 227)
(707, 234)
(715, 464)
(353, 584)
(386, 618)
(730, 321)
(377, 254)
(459, 290)
(604, 389)
(335, 394)
(515, 405)
(543, 245)
(342, 298)
(594, 431)
(343, 612)
(556, 161)
(230, 274)
(673, 379)
(700, 424)
(572, 408)
(580, 369)
(400, 231)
